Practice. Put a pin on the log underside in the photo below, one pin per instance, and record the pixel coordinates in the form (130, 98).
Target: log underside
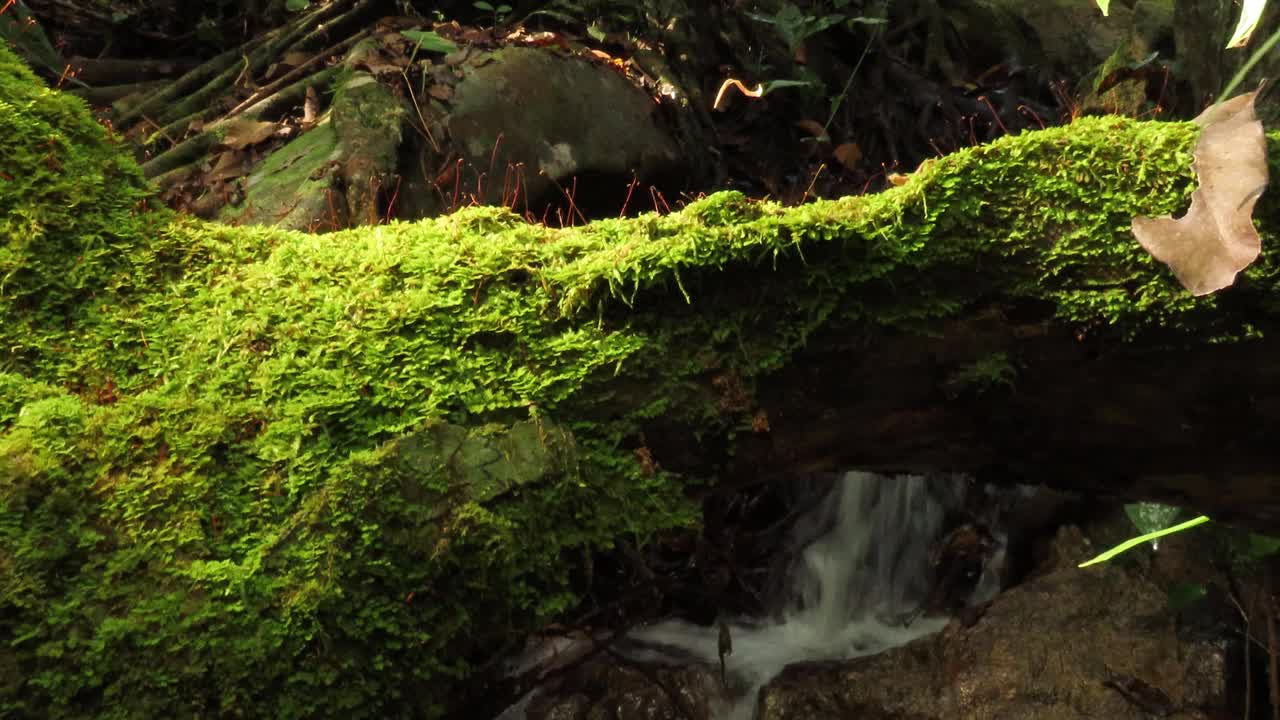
(1191, 425)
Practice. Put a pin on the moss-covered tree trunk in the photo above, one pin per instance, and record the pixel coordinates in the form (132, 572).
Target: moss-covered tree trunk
(245, 468)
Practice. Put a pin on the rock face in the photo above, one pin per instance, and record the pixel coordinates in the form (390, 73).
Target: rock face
(1070, 644)
(633, 693)
(548, 120)
(524, 127)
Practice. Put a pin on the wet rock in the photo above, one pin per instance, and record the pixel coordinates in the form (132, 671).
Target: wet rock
(1068, 644)
(573, 707)
(609, 689)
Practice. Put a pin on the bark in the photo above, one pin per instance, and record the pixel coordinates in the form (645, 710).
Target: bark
(1183, 423)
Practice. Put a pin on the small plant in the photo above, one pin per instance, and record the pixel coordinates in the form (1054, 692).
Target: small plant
(987, 373)
(500, 12)
(428, 41)
(795, 25)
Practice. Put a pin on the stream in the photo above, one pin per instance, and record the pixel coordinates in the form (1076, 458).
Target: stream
(856, 590)
(860, 582)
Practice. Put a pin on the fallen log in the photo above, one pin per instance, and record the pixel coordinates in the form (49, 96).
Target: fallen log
(245, 467)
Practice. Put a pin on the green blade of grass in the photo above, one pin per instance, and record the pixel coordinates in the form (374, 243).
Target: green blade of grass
(1127, 544)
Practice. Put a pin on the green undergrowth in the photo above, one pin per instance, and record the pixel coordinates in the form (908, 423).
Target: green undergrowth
(250, 470)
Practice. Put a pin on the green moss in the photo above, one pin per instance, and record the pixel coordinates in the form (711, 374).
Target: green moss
(245, 468)
(289, 186)
(69, 194)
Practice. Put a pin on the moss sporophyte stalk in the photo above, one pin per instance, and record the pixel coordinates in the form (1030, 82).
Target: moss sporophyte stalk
(328, 474)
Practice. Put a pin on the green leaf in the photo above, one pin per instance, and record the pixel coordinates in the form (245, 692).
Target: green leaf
(1134, 542)
(430, 41)
(1105, 6)
(1261, 546)
(296, 5)
(555, 15)
(482, 5)
(18, 27)
(772, 85)
(1149, 517)
(1184, 595)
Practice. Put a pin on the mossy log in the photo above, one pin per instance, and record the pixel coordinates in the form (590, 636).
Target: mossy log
(245, 470)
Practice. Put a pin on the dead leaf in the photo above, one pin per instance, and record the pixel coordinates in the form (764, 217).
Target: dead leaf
(482, 36)
(457, 57)
(1250, 14)
(1216, 239)
(540, 39)
(442, 74)
(440, 92)
(294, 58)
(230, 165)
(812, 127)
(383, 68)
(242, 133)
(848, 154)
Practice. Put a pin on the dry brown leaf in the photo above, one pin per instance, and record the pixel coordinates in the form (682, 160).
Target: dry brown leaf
(230, 165)
(543, 39)
(294, 58)
(812, 127)
(440, 92)
(242, 133)
(384, 68)
(457, 57)
(1216, 239)
(848, 154)
(483, 36)
(443, 74)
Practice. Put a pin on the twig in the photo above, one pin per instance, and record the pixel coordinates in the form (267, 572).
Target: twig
(1273, 670)
(267, 90)
(1248, 675)
(426, 129)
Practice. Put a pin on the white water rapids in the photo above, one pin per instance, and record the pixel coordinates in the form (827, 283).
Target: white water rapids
(851, 592)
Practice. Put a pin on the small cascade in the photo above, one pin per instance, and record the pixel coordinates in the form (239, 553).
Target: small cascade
(860, 588)
(872, 566)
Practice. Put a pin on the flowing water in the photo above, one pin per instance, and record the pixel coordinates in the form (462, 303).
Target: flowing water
(853, 591)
